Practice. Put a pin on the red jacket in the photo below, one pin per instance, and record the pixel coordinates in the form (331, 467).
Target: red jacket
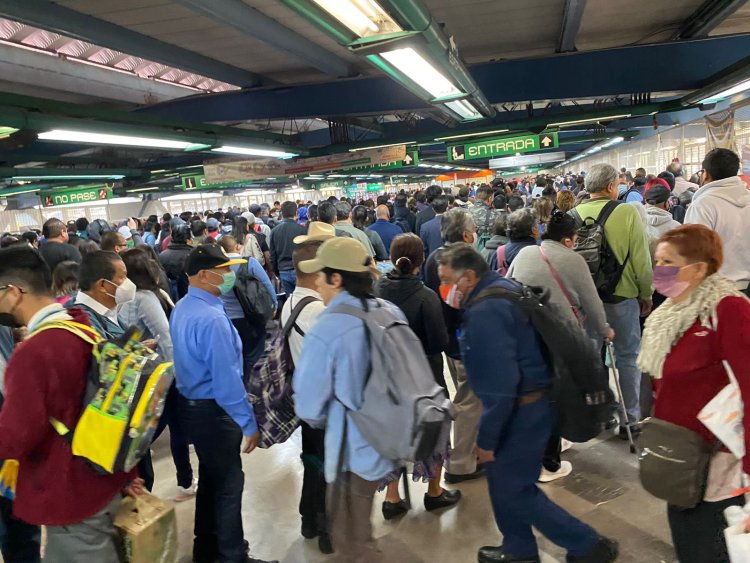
(46, 376)
(693, 372)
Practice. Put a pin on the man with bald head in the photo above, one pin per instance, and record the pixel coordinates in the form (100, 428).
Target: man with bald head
(383, 226)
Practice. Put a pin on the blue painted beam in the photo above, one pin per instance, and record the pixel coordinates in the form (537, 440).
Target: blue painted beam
(561, 76)
(59, 19)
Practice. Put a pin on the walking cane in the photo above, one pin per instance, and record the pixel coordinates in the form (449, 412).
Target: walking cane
(616, 372)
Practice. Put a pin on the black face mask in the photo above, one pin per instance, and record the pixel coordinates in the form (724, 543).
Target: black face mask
(7, 319)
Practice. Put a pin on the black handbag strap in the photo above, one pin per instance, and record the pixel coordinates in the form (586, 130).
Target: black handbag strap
(294, 315)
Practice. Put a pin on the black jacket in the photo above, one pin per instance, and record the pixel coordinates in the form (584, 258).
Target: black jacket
(173, 261)
(490, 249)
(404, 217)
(281, 244)
(451, 316)
(422, 217)
(422, 309)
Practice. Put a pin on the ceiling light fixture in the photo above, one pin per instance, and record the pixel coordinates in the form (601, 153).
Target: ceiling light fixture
(481, 134)
(72, 177)
(253, 152)
(588, 120)
(383, 146)
(364, 17)
(729, 92)
(69, 136)
(143, 190)
(421, 72)
(464, 109)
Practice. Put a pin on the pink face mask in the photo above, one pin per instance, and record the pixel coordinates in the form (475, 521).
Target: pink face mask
(666, 282)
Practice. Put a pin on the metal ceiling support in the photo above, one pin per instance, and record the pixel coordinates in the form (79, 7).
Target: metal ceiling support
(572, 16)
(8, 172)
(59, 19)
(707, 17)
(583, 74)
(257, 25)
(720, 82)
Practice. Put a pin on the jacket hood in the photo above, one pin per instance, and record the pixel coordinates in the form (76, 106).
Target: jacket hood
(399, 212)
(732, 190)
(398, 288)
(657, 217)
(496, 242)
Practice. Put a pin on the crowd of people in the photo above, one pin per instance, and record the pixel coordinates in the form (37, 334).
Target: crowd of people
(670, 293)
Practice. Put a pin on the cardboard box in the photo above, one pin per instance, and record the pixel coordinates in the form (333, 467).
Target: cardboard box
(148, 528)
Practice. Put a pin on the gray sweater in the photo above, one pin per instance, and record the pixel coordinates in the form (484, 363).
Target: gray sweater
(530, 268)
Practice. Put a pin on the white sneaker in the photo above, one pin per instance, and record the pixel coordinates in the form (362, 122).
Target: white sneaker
(565, 469)
(565, 445)
(186, 494)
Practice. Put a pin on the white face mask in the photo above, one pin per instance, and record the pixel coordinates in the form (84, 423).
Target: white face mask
(125, 291)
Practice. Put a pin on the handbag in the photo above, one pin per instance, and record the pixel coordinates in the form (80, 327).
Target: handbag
(673, 462)
(576, 313)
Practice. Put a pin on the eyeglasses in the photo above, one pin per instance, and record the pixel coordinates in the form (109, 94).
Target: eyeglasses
(4, 287)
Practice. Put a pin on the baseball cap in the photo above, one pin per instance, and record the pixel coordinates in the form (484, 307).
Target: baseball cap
(658, 194)
(213, 224)
(207, 257)
(124, 231)
(249, 216)
(345, 254)
(317, 230)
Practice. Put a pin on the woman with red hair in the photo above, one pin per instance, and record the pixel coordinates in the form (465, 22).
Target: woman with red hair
(704, 323)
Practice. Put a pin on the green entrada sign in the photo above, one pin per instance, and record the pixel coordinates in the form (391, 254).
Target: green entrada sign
(75, 195)
(198, 182)
(502, 146)
(411, 159)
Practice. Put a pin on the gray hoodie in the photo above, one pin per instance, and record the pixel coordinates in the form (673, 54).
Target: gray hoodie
(658, 222)
(724, 205)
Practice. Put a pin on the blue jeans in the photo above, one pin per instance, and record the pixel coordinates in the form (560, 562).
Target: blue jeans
(288, 281)
(624, 318)
(519, 505)
(218, 505)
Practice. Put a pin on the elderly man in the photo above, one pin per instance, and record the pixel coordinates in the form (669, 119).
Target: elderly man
(383, 226)
(631, 299)
(512, 380)
(344, 223)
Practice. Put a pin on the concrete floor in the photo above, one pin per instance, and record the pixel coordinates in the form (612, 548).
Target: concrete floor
(603, 490)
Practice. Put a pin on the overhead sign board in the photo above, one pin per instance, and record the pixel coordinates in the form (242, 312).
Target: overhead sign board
(257, 169)
(198, 182)
(411, 159)
(502, 146)
(526, 159)
(80, 194)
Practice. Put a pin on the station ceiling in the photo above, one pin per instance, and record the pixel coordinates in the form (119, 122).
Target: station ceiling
(273, 74)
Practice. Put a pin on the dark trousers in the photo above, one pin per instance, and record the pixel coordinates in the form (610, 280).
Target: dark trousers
(698, 533)
(218, 509)
(312, 502)
(350, 501)
(19, 542)
(519, 505)
(178, 443)
(253, 337)
(551, 459)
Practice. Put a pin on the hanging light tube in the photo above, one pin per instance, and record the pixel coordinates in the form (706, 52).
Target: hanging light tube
(421, 72)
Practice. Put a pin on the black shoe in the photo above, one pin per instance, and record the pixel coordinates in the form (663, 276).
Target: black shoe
(490, 554)
(324, 544)
(453, 478)
(446, 498)
(309, 528)
(393, 510)
(635, 431)
(605, 551)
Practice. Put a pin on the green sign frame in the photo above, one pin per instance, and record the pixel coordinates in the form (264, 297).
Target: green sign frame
(502, 146)
(80, 194)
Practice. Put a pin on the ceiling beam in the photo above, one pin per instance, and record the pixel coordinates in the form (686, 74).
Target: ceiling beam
(572, 17)
(255, 24)
(692, 62)
(59, 19)
(707, 17)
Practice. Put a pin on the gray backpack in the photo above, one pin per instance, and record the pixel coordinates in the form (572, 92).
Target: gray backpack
(404, 415)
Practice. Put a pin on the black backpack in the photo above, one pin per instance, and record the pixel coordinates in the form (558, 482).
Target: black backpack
(593, 246)
(404, 224)
(255, 300)
(580, 388)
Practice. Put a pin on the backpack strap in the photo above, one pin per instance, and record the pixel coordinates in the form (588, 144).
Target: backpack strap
(561, 284)
(84, 332)
(501, 260)
(294, 315)
(606, 212)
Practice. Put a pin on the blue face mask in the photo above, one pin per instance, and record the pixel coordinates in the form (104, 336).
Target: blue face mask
(622, 188)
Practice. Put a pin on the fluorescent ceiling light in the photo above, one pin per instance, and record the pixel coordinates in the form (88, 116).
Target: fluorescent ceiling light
(736, 89)
(6, 131)
(383, 146)
(337, 176)
(464, 109)
(72, 177)
(106, 139)
(26, 191)
(143, 189)
(588, 120)
(253, 152)
(418, 70)
(364, 17)
(482, 134)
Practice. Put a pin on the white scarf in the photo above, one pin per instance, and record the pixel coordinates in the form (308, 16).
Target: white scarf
(666, 325)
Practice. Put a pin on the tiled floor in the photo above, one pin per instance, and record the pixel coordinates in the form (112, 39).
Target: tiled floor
(603, 490)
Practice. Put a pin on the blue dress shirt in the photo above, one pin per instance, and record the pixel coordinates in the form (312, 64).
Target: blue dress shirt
(387, 231)
(208, 356)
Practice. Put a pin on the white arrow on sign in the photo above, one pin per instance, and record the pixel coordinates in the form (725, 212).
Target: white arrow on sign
(408, 159)
(546, 142)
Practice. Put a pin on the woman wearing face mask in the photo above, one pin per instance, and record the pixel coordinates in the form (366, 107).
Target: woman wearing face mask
(555, 266)
(704, 322)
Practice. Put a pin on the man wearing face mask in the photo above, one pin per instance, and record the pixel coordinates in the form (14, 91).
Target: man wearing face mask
(215, 410)
(457, 226)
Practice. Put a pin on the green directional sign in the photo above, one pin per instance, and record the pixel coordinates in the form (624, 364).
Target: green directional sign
(198, 182)
(81, 194)
(502, 146)
(411, 159)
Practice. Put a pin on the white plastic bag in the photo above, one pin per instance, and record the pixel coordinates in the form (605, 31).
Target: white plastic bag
(723, 416)
(738, 543)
